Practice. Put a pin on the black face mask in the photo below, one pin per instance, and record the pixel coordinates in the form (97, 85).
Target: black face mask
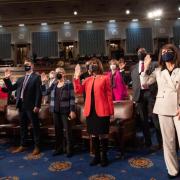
(93, 68)
(168, 56)
(58, 76)
(27, 67)
(141, 56)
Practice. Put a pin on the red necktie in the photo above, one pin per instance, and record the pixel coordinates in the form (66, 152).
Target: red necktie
(142, 67)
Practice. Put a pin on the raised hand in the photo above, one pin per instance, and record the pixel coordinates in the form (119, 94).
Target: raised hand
(147, 62)
(44, 77)
(77, 72)
(7, 73)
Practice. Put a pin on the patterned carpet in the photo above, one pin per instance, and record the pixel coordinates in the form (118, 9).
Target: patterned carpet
(136, 166)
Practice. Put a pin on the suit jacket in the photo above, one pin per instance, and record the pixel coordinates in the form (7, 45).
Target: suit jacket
(168, 96)
(67, 99)
(119, 90)
(102, 94)
(32, 92)
(136, 84)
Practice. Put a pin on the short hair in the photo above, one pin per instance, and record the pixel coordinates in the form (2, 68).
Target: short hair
(176, 59)
(114, 61)
(29, 60)
(97, 61)
(59, 69)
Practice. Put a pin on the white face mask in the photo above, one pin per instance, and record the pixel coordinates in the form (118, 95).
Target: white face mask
(51, 76)
(112, 66)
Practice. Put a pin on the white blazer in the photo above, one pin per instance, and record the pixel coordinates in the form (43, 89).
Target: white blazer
(168, 96)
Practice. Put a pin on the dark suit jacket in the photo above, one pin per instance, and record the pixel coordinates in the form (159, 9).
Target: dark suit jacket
(136, 85)
(32, 93)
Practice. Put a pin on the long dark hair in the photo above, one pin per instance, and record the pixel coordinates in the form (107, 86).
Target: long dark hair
(176, 59)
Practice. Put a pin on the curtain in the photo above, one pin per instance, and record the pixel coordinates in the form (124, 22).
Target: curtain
(91, 42)
(5, 46)
(176, 34)
(45, 44)
(138, 37)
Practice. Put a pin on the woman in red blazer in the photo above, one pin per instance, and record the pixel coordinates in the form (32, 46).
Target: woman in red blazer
(98, 107)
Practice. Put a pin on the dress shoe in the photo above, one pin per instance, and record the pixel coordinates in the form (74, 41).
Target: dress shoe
(36, 151)
(95, 161)
(19, 149)
(173, 177)
(57, 152)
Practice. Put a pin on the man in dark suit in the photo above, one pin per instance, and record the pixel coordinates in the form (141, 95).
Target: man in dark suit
(28, 101)
(143, 96)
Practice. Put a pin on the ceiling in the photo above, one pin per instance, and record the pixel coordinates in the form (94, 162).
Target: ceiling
(56, 11)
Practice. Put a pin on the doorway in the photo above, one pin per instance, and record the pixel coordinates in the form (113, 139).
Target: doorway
(22, 51)
(66, 50)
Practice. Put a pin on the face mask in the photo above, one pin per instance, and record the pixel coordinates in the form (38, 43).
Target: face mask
(93, 68)
(51, 76)
(58, 76)
(112, 66)
(27, 67)
(169, 56)
(141, 56)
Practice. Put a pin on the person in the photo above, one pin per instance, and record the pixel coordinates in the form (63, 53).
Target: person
(142, 96)
(52, 78)
(62, 105)
(117, 84)
(85, 74)
(167, 104)
(28, 101)
(98, 107)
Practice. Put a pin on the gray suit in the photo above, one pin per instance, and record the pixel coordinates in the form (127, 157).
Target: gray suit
(166, 106)
(144, 100)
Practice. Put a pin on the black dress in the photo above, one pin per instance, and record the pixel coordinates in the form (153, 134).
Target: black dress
(97, 125)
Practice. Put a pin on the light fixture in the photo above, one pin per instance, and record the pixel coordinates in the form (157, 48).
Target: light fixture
(66, 22)
(179, 8)
(135, 20)
(1, 26)
(157, 19)
(89, 22)
(178, 18)
(127, 11)
(75, 13)
(155, 14)
(44, 24)
(21, 25)
(112, 21)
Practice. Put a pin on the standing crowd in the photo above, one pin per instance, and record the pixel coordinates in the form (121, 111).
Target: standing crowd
(155, 85)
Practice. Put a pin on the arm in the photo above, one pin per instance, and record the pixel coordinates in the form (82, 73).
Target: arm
(72, 97)
(109, 95)
(9, 85)
(46, 91)
(78, 87)
(38, 92)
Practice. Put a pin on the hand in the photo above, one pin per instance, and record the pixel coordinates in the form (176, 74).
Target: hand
(122, 65)
(36, 110)
(72, 115)
(7, 73)
(178, 113)
(112, 118)
(44, 77)
(147, 62)
(77, 72)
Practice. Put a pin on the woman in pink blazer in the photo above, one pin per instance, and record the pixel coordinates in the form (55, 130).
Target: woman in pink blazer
(118, 86)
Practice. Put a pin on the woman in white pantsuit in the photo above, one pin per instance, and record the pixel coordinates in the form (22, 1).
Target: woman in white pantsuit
(167, 104)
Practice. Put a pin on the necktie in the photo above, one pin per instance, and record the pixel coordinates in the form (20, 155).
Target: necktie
(142, 67)
(24, 85)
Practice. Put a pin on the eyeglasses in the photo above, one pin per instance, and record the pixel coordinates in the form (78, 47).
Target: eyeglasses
(167, 50)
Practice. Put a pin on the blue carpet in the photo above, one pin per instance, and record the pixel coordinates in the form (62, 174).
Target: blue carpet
(136, 166)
